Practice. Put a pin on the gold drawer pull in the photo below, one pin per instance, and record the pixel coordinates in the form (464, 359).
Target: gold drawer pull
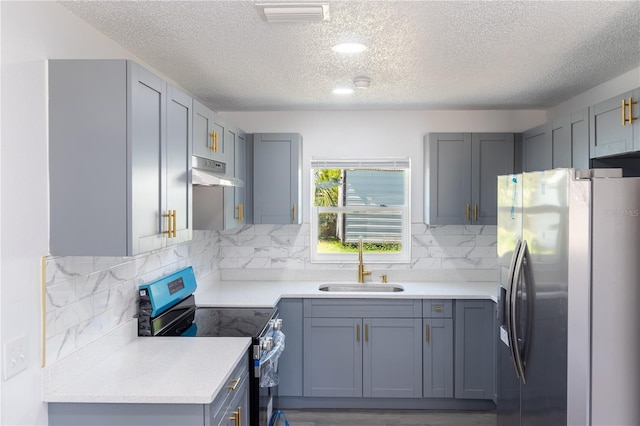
(240, 209)
(235, 384)
(437, 308)
(427, 333)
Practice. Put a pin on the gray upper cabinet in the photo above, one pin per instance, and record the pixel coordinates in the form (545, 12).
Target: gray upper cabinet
(614, 128)
(561, 143)
(437, 349)
(461, 176)
(119, 159)
(362, 348)
(208, 134)
(277, 178)
(537, 148)
(474, 349)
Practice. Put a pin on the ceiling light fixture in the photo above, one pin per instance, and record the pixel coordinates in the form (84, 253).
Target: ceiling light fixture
(361, 82)
(294, 12)
(342, 91)
(349, 47)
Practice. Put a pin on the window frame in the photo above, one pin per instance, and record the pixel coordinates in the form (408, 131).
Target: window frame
(400, 164)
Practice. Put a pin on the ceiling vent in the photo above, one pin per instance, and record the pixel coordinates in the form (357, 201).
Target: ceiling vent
(295, 12)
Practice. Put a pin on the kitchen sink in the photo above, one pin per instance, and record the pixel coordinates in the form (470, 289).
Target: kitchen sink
(391, 288)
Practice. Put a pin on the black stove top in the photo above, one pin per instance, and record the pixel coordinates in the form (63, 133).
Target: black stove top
(231, 322)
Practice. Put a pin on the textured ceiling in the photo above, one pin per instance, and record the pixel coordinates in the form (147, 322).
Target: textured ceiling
(421, 54)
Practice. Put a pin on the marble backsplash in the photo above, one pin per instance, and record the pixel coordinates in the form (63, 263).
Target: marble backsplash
(88, 298)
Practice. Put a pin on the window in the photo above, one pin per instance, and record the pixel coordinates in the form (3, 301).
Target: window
(357, 200)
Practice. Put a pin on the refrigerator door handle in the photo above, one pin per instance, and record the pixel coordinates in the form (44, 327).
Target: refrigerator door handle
(514, 329)
(507, 304)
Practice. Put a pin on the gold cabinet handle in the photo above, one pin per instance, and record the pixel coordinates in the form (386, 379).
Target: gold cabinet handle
(628, 119)
(468, 211)
(175, 223)
(239, 416)
(631, 117)
(427, 333)
(240, 209)
(235, 418)
(358, 333)
(170, 222)
(366, 333)
(475, 212)
(234, 386)
(212, 146)
(437, 308)
(295, 211)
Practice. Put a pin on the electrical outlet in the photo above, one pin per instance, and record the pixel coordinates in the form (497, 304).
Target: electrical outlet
(14, 357)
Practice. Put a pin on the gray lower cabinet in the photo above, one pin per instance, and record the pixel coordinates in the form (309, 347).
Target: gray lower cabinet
(290, 363)
(437, 349)
(229, 408)
(474, 349)
(276, 160)
(119, 159)
(362, 348)
(614, 126)
(461, 176)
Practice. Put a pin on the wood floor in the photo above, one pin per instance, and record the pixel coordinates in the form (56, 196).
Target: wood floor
(388, 417)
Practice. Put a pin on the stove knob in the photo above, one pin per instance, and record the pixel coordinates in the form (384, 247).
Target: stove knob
(267, 344)
(277, 325)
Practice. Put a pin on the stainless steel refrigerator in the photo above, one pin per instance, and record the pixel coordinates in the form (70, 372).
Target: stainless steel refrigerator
(569, 300)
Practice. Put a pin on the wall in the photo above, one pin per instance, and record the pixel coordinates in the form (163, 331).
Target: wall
(32, 32)
(378, 134)
(90, 297)
(281, 252)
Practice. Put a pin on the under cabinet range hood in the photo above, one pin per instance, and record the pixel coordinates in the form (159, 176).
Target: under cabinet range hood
(207, 172)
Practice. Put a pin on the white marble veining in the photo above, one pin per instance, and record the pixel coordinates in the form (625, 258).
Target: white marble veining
(157, 370)
(90, 297)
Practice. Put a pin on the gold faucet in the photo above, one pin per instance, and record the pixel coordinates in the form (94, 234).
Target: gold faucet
(361, 271)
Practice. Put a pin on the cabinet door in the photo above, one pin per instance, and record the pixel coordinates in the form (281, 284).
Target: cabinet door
(333, 357)
(537, 149)
(438, 358)
(240, 154)
(561, 143)
(474, 350)
(229, 205)
(580, 139)
(178, 164)
(449, 178)
(219, 147)
(491, 156)
(608, 134)
(202, 128)
(290, 364)
(392, 358)
(276, 178)
(147, 154)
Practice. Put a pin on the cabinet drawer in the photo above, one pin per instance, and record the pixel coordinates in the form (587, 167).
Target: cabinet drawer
(354, 308)
(437, 308)
(233, 385)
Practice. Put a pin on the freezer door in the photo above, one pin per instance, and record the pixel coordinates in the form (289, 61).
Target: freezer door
(545, 228)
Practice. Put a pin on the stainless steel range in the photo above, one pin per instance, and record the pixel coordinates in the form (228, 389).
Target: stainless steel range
(167, 308)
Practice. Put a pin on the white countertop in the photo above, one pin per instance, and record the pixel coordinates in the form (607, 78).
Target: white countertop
(186, 370)
(268, 293)
(192, 370)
